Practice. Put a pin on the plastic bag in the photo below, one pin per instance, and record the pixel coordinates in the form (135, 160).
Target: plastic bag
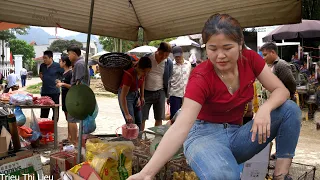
(112, 160)
(36, 133)
(20, 117)
(21, 99)
(89, 124)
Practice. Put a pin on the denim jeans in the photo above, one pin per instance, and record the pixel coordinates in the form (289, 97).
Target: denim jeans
(175, 105)
(214, 151)
(134, 111)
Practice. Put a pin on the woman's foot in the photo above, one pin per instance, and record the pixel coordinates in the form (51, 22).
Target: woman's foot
(282, 177)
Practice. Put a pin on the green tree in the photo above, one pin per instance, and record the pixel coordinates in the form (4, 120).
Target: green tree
(109, 44)
(22, 47)
(311, 9)
(7, 35)
(61, 45)
(156, 43)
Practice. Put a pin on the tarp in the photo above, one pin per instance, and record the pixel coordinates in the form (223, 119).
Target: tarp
(159, 18)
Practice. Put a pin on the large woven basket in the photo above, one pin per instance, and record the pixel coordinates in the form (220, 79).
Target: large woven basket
(111, 78)
(111, 68)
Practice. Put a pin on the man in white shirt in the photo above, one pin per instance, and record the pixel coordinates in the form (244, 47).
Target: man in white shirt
(23, 74)
(12, 82)
(178, 81)
(156, 85)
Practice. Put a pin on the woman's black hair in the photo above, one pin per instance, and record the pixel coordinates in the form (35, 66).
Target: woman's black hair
(66, 59)
(144, 63)
(223, 24)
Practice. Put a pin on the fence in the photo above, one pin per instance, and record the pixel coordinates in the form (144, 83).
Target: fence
(5, 69)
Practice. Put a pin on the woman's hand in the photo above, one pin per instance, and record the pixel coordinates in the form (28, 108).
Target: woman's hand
(261, 125)
(59, 84)
(129, 118)
(139, 176)
(142, 101)
(138, 103)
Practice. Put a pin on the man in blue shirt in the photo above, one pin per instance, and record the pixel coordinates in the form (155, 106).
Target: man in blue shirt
(50, 71)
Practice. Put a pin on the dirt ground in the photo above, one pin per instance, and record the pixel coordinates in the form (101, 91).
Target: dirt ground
(110, 118)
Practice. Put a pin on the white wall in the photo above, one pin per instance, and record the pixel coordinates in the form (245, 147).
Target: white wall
(39, 49)
(262, 32)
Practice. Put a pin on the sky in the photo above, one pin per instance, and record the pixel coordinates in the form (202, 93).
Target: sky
(61, 32)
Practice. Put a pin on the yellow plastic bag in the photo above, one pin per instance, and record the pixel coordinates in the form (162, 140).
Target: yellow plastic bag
(112, 160)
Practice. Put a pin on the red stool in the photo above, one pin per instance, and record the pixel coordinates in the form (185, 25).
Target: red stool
(47, 130)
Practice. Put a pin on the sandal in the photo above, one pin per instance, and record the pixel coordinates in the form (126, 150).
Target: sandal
(282, 177)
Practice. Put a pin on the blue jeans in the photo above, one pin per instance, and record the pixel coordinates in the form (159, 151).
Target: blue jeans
(175, 105)
(214, 151)
(134, 111)
(23, 80)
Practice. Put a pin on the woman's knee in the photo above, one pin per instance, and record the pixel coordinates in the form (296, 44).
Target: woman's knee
(289, 109)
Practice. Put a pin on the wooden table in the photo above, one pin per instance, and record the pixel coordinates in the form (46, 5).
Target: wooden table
(56, 116)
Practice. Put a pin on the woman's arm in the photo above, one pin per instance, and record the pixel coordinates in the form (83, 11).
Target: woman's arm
(66, 85)
(123, 100)
(174, 137)
(142, 89)
(279, 93)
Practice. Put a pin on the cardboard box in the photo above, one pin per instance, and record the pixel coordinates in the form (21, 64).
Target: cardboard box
(61, 161)
(12, 157)
(23, 168)
(256, 168)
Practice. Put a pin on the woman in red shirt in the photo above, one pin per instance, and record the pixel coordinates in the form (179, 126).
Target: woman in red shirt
(129, 96)
(209, 124)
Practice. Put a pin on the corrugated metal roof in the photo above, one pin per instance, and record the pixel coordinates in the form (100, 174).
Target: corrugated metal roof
(159, 18)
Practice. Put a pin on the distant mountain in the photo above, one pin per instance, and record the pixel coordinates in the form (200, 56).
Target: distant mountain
(42, 37)
(36, 34)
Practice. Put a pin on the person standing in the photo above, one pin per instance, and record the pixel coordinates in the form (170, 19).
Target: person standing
(279, 67)
(65, 85)
(78, 76)
(11, 82)
(50, 71)
(91, 71)
(156, 84)
(129, 92)
(179, 80)
(23, 74)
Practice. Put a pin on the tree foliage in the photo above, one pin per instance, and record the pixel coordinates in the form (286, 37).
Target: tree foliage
(156, 43)
(7, 35)
(22, 47)
(109, 44)
(61, 45)
(311, 9)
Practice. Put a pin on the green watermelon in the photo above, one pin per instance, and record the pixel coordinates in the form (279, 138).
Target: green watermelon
(80, 101)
